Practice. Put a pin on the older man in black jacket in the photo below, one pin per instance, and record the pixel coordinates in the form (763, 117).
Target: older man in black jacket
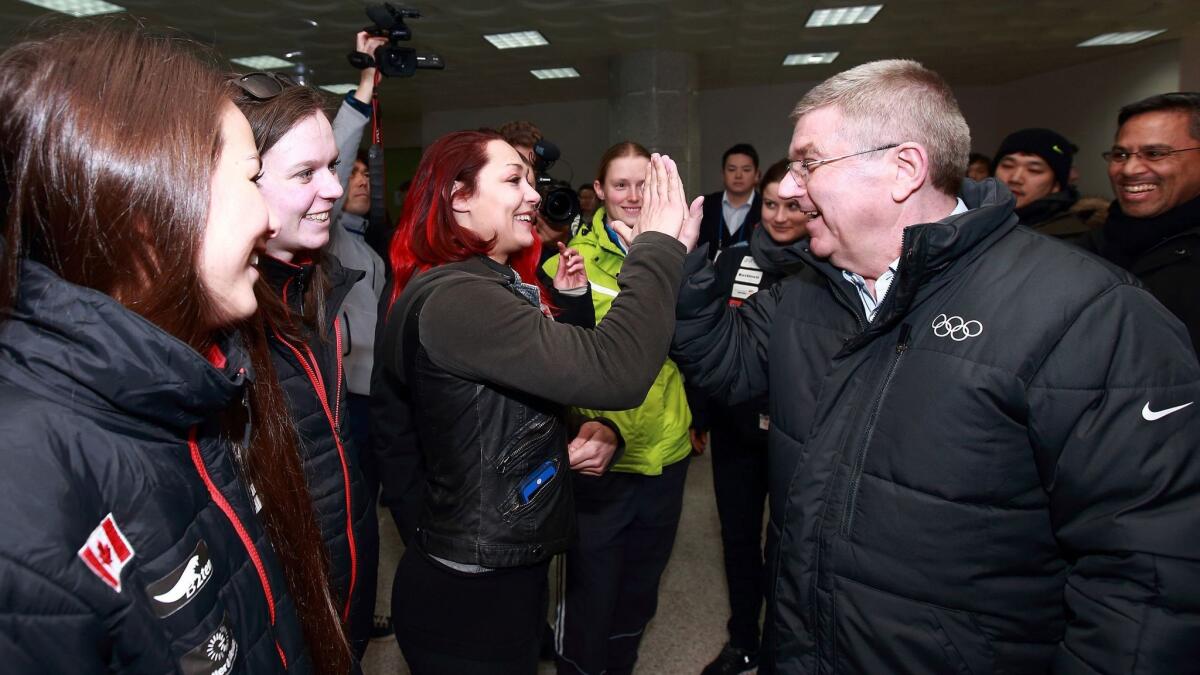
(983, 441)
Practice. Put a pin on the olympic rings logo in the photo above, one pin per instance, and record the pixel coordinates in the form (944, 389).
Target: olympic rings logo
(955, 328)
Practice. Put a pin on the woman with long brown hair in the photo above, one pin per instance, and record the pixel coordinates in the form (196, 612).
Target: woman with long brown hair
(300, 296)
(152, 503)
(470, 354)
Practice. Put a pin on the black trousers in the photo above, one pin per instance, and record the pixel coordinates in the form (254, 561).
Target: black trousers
(627, 525)
(453, 623)
(739, 464)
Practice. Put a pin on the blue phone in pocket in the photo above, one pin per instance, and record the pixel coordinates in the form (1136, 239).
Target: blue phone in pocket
(537, 480)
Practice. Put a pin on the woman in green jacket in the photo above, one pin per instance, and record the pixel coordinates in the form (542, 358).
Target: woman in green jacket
(627, 518)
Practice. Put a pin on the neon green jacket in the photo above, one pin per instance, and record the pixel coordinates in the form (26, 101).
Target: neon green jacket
(656, 432)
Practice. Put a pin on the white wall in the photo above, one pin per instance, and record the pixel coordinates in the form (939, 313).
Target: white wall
(754, 115)
(1080, 102)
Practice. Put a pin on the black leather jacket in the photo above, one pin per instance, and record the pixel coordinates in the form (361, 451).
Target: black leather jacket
(484, 379)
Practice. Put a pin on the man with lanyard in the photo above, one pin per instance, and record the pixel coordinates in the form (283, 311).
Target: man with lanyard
(731, 215)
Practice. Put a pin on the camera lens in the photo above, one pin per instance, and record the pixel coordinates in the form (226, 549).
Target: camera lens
(560, 206)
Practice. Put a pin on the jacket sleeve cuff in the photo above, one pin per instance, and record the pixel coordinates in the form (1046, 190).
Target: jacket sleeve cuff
(620, 439)
(363, 108)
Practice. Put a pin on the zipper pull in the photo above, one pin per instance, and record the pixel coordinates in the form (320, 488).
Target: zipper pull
(902, 343)
(249, 419)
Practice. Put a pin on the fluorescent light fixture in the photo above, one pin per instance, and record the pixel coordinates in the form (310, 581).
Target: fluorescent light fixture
(339, 89)
(527, 38)
(262, 62)
(77, 7)
(842, 16)
(1109, 39)
(809, 59)
(554, 73)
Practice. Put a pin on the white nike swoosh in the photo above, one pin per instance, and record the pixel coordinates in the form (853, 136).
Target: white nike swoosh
(184, 583)
(1151, 415)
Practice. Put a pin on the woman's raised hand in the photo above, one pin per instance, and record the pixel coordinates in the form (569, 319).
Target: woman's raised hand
(571, 273)
(664, 206)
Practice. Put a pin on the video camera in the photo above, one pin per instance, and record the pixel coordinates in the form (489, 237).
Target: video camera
(560, 204)
(391, 59)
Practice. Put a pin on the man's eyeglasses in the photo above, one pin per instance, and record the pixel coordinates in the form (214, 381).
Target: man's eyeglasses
(1146, 154)
(263, 86)
(801, 168)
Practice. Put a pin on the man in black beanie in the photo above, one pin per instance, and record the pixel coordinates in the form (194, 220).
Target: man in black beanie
(1153, 228)
(1035, 164)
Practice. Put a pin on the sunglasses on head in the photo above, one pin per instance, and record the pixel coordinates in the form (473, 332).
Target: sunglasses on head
(263, 86)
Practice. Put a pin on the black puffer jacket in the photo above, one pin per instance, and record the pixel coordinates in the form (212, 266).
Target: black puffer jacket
(107, 419)
(468, 361)
(311, 374)
(1163, 253)
(998, 474)
(743, 270)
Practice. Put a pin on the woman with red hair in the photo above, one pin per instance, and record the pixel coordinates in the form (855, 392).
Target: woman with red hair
(475, 375)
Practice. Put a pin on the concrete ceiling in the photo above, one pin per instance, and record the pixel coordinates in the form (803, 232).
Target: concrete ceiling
(971, 42)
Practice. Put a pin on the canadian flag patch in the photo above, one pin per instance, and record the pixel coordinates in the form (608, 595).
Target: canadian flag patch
(106, 552)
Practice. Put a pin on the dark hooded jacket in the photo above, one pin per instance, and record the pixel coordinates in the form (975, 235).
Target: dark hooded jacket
(130, 544)
(1055, 215)
(998, 474)
(311, 373)
(741, 271)
(1162, 252)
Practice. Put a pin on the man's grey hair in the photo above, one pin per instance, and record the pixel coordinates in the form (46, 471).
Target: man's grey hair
(898, 101)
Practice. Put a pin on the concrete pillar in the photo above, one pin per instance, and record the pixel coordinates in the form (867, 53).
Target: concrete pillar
(653, 100)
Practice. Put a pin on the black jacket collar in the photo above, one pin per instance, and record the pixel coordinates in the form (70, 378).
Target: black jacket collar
(292, 279)
(77, 344)
(1126, 237)
(930, 253)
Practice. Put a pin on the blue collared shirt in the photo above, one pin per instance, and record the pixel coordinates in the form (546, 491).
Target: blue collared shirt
(735, 215)
(871, 302)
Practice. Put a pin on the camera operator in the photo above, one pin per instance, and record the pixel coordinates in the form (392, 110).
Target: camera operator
(359, 310)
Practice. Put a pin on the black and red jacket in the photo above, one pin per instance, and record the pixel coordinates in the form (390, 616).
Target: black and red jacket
(128, 541)
(311, 373)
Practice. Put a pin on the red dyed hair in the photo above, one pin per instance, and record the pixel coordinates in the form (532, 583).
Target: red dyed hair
(427, 235)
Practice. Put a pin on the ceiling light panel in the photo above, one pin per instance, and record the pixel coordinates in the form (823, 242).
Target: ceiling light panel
(262, 62)
(77, 7)
(340, 89)
(1109, 39)
(842, 16)
(528, 38)
(554, 73)
(811, 59)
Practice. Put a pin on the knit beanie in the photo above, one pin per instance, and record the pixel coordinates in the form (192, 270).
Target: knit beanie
(1047, 144)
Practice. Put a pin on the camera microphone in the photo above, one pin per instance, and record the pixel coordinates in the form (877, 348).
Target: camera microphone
(546, 153)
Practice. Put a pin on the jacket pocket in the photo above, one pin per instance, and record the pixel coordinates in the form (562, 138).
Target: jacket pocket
(512, 508)
(881, 632)
(530, 438)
